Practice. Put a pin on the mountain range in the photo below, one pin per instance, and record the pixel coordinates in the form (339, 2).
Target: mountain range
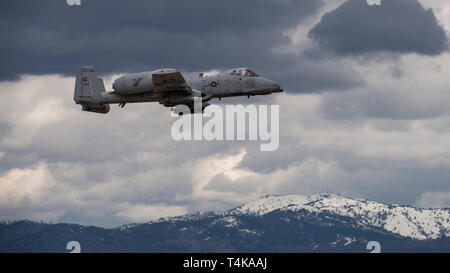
(272, 223)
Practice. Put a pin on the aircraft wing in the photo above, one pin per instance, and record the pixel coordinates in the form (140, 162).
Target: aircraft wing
(169, 80)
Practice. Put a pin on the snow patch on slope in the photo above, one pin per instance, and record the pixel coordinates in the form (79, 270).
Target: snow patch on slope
(402, 220)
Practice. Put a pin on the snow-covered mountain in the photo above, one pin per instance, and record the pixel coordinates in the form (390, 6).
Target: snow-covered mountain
(272, 223)
(405, 221)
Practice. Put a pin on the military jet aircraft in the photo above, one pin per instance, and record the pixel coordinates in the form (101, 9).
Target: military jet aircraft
(169, 87)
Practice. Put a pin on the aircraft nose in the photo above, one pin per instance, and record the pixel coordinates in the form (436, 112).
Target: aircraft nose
(267, 86)
(276, 88)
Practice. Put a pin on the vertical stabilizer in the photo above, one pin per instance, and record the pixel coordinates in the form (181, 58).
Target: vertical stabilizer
(89, 89)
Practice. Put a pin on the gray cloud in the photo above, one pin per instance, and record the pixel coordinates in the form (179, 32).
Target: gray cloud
(388, 104)
(312, 76)
(41, 37)
(399, 26)
(131, 36)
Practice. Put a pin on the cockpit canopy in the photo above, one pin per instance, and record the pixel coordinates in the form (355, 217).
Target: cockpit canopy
(243, 72)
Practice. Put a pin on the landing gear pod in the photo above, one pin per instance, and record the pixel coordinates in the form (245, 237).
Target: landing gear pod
(99, 108)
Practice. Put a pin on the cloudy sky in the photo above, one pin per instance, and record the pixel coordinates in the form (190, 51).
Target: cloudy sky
(365, 114)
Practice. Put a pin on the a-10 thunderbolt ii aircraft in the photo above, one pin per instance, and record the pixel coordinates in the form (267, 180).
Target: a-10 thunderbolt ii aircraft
(169, 87)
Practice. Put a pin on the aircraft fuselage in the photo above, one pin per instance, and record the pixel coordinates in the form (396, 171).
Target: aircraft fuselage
(139, 87)
(169, 87)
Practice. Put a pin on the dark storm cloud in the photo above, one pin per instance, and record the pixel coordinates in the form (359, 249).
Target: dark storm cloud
(401, 26)
(311, 76)
(41, 37)
(394, 104)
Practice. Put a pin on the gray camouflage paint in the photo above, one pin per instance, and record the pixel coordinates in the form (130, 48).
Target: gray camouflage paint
(184, 88)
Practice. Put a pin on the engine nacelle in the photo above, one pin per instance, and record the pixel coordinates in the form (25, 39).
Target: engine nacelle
(134, 83)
